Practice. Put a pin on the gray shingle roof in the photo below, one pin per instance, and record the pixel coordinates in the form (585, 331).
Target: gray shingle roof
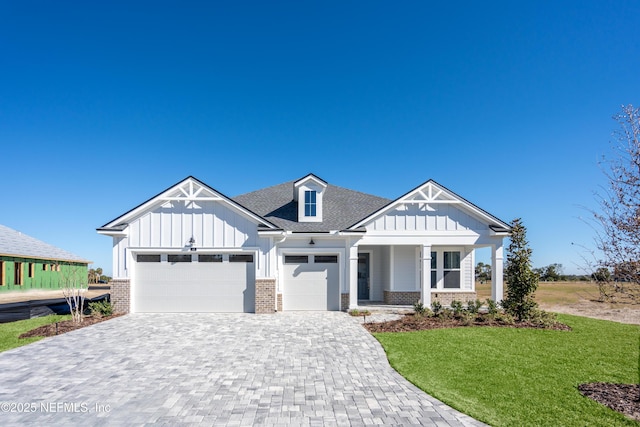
(15, 243)
(342, 207)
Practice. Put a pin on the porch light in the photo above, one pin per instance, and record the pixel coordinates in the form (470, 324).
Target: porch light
(192, 241)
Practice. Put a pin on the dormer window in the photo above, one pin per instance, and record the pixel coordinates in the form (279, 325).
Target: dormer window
(309, 203)
(308, 193)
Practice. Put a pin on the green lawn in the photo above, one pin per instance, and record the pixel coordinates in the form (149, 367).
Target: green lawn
(520, 377)
(9, 332)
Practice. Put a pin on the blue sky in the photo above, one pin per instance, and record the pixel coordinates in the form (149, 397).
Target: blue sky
(509, 104)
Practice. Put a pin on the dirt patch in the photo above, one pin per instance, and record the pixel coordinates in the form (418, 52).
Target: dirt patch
(621, 313)
(411, 322)
(623, 398)
(65, 326)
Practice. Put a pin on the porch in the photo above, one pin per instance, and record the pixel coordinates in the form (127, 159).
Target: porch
(398, 276)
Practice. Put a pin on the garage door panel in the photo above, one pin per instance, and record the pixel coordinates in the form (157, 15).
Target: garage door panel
(194, 287)
(310, 286)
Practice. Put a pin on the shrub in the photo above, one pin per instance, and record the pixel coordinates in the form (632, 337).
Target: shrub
(419, 308)
(457, 308)
(542, 318)
(436, 307)
(492, 307)
(356, 312)
(474, 306)
(505, 318)
(101, 308)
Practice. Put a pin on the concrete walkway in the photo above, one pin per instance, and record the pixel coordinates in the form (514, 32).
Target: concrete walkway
(215, 369)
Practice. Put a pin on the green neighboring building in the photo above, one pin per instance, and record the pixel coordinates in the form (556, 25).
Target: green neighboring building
(28, 263)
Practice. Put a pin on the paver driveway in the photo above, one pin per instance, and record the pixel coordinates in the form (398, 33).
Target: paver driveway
(216, 369)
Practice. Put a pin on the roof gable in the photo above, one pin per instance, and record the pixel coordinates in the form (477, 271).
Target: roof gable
(431, 194)
(188, 190)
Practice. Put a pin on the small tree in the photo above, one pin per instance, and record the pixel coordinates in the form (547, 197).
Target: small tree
(74, 288)
(618, 221)
(522, 282)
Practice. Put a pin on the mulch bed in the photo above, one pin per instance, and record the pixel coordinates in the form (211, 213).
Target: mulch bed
(65, 326)
(411, 322)
(623, 398)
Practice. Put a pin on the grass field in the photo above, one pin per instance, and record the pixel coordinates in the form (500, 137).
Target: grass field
(552, 293)
(520, 377)
(9, 332)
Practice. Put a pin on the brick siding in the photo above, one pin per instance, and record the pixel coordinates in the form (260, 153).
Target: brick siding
(120, 295)
(265, 296)
(401, 298)
(445, 298)
(279, 302)
(344, 302)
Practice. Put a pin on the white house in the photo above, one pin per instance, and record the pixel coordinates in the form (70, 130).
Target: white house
(301, 245)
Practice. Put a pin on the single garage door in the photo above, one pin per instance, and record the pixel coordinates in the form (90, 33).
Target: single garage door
(198, 283)
(311, 283)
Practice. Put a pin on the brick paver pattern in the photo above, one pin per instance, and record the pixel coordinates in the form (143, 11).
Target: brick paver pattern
(214, 369)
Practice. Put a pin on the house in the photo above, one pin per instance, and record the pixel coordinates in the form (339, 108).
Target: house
(301, 245)
(28, 263)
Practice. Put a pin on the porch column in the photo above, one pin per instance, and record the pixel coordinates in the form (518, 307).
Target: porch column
(497, 273)
(353, 275)
(425, 292)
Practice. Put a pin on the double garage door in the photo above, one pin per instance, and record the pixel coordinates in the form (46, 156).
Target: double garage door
(200, 283)
(178, 283)
(310, 282)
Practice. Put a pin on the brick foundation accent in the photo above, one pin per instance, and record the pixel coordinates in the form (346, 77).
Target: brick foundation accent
(445, 298)
(401, 297)
(279, 302)
(120, 295)
(265, 296)
(344, 302)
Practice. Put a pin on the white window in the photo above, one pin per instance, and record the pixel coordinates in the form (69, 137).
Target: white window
(434, 270)
(309, 203)
(451, 270)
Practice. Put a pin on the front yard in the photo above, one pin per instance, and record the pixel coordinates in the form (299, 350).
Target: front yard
(523, 377)
(10, 332)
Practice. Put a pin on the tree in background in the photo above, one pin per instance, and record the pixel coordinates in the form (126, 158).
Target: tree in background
(550, 273)
(521, 280)
(483, 272)
(618, 221)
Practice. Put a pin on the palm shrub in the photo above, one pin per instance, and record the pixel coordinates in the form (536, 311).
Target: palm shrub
(521, 280)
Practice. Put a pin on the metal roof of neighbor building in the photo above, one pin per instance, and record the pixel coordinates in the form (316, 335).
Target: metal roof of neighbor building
(15, 243)
(342, 207)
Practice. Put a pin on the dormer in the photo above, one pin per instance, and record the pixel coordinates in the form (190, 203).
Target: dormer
(308, 192)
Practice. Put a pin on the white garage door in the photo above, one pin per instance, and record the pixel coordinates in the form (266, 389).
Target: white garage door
(311, 282)
(194, 283)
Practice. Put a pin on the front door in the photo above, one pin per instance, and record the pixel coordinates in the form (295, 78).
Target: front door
(363, 277)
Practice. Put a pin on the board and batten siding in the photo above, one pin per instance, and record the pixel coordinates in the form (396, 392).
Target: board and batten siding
(170, 226)
(210, 223)
(422, 217)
